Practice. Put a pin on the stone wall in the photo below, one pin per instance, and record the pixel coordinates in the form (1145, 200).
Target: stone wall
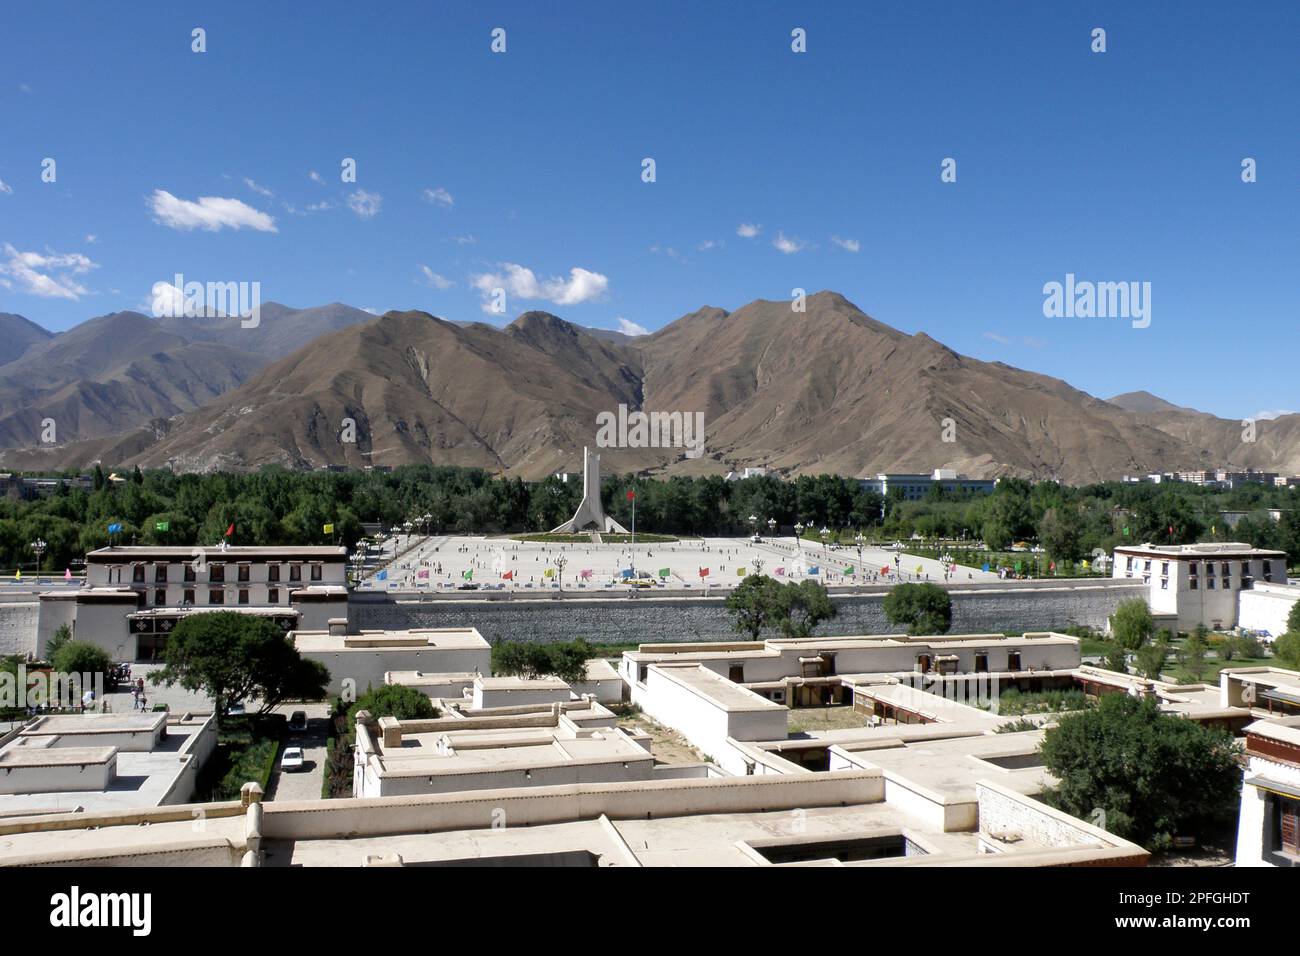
(18, 627)
(645, 619)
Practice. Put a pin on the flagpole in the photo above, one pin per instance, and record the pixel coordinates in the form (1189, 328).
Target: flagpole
(634, 535)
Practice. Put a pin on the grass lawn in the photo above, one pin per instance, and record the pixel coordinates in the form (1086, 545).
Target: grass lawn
(841, 717)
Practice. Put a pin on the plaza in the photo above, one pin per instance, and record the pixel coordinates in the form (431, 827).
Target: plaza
(450, 562)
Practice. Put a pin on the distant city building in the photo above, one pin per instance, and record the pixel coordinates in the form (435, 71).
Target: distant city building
(134, 596)
(1192, 584)
(915, 487)
(16, 486)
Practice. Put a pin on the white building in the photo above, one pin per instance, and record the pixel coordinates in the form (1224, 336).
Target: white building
(134, 596)
(366, 659)
(1191, 584)
(93, 763)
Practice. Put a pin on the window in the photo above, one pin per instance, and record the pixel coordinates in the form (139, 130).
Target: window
(273, 596)
(159, 595)
(273, 572)
(1128, 563)
(736, 673)
(1209, 584)
(217, 572)
(1193, 583)
(1164, 584)
(1288, 825)
(189, 574)
(243, 573)
(1164, 567)
(216, 596)
(243, 595)
(295, 572)
(315, 572)
(1227, 569)
(160, 573)
(1013, 660)
(982, 663)
(189, 596)
(137, 573)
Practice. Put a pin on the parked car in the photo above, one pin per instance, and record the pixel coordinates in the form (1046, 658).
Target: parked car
(236, 710)
(298, 721)
(292, 760)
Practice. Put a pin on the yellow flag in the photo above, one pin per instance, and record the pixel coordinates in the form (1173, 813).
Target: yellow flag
(740, 572)
(329, 529)
(549, 573)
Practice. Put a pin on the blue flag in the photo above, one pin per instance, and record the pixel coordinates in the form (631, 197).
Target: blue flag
(627, 572)
(115, 527)
(381, 576)
(815, 569)
(986, 566)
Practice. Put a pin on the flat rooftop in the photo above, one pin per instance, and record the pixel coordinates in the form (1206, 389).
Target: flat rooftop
(441, 638)
(1209, 549)
(82, 724)
(120, 553)
(716, 689)
(652, 653)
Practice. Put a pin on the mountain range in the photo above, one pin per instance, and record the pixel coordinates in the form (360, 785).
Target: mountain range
(828, 390)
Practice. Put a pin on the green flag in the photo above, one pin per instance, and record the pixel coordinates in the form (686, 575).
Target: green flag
(468, 574)
(162, 525)
(664, 572)
(1126, 531)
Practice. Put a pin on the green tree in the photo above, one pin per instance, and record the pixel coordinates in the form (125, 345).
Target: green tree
(924, 608)
(1193, 655)
(754, 604)
(1151, 660)
(62, 635)
(1061, 533)
(1132, 626)
(1286, 650)
(393, 700)
(81, 657)
(1151, 775)
(235, 657)
(801, 607)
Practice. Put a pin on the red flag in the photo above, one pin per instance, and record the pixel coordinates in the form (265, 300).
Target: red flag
(704, 572)
(508, 576)
(885, 569)
(631, 495)
(230, 530)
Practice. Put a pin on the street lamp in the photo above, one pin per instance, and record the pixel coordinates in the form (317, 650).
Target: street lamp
(771, 527)
(825, 533)
(798, 534)
(757, 564)
(38, 546)
(753, 524)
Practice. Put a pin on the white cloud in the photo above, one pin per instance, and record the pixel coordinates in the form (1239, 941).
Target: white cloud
(630, 328)
(852, 245)
(316, 177)
(260, 190)
(994, 337)
(321, 206)
(210, 213)
(748, 230)
(49, 275)
(365, 204)
(582, 285)
(91, 238)
(25, 88)
(1272, 413)
(464, 240)
(787, 245)
(708, 244)
(6, 188)
(434, 280)
(438, 197)
(1027, 341)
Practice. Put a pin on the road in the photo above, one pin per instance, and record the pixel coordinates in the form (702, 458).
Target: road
(304, 784)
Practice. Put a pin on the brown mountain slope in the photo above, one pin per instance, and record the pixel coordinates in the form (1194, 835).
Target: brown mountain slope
(419, 389)
(828, 390)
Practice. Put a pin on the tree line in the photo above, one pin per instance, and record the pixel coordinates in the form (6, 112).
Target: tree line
(278, 506)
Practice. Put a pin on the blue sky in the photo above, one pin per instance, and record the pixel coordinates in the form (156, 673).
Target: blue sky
(1115, 166)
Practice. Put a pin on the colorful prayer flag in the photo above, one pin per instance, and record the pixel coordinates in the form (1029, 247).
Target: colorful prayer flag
(328, 528)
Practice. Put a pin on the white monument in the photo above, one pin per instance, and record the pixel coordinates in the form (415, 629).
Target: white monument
(590, 513)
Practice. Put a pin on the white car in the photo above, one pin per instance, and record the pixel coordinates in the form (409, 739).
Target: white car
(292, 760)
